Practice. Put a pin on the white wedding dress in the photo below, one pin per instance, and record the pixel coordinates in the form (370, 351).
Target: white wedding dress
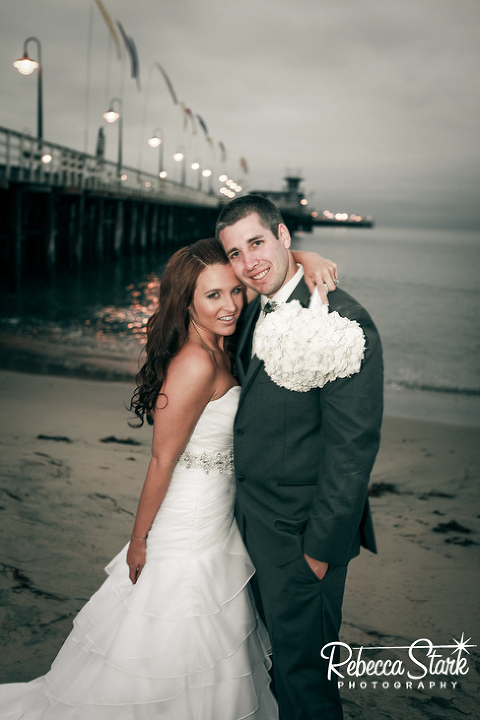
(184, 643)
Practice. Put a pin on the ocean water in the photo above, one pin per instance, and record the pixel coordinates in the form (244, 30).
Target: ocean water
(422, 288)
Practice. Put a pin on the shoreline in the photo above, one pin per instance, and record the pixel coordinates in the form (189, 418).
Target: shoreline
(58, 359)
(68, 499)
(46, 357)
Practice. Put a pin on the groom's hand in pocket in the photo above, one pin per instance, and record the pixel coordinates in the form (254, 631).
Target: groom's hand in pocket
(316, 566)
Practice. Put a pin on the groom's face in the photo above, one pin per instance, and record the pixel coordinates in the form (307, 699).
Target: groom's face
(259, 259)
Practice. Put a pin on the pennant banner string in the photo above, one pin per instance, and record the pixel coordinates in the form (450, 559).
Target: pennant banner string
(169, 84)
(202, 125)
(132, 52)
(111, 27)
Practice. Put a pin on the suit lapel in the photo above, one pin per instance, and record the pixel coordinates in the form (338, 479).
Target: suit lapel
(253, 368)
(301, 293)
(245, 339)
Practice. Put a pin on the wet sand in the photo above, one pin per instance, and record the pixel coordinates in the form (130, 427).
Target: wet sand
(66, 508)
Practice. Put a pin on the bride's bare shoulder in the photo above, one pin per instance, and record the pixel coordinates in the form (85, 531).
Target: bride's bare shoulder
(192, 364)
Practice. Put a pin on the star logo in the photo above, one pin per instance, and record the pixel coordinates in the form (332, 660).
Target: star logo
(461, 645)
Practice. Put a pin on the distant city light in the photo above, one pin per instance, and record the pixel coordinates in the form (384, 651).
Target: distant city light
(123, 177)
(178, 157)
(148, 184)
(314, 214)
(223, 178)
(195, 165)
(206, 173)
(304, 201)
(163, 174)
(342, 216)
(154, 141)
(47, 158)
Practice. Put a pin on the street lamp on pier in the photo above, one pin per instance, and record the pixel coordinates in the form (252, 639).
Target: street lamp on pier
(157, 141)
(180, 157)
(207, 173)
(26, 66)
(110, 116)
(197, 166)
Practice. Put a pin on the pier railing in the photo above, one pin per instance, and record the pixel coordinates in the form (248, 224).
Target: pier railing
(25, 159)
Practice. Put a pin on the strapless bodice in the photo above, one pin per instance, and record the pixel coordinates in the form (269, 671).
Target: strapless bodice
(214, 429)
(197, 511)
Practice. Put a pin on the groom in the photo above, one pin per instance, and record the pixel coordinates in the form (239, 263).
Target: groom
(302, 463)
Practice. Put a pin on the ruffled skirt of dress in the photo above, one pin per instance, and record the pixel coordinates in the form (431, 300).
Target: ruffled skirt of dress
(184, 643)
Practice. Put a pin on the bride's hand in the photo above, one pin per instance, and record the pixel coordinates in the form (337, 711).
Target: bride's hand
(318, 272)
(136, 558)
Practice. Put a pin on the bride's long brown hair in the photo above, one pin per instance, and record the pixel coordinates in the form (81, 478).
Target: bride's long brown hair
(167, 328)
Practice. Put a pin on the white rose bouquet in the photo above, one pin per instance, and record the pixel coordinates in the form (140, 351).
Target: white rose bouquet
(303, 348)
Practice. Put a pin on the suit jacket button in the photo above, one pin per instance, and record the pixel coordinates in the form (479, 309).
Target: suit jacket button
(240, 478)
(239, 432)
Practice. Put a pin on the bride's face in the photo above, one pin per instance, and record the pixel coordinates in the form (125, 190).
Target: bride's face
(218, 300)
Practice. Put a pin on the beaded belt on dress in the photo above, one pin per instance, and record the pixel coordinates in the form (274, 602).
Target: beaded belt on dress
(207, 462)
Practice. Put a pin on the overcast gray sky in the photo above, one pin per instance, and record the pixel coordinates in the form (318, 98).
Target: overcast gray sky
(376, 102)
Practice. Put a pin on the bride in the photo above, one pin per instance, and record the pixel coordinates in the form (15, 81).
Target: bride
(173, 633)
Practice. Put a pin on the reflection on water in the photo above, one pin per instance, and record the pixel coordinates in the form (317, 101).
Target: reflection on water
(106, 306)
(130, 320)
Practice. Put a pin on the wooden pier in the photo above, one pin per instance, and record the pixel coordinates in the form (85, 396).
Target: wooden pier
(62, 210)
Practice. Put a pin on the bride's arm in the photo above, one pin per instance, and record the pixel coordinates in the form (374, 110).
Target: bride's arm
(187, 390)
(318, 271)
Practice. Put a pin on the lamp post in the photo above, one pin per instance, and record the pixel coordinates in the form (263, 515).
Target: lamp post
(157, 141)
(197, 166)
(180, 157)
(110, 116)
(207, 173)
(26, 66)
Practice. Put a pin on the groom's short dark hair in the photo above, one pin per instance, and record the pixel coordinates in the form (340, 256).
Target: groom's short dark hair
(270, 216)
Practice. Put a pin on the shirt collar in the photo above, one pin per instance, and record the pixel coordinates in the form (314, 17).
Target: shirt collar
(286, 290)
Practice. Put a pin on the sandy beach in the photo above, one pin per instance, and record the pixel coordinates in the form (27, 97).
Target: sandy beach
(72, 470)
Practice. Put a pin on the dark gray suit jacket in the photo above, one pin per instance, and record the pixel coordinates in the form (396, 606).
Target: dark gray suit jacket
(303, 460)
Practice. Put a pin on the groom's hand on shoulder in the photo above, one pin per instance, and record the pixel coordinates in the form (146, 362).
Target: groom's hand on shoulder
(316, 566)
